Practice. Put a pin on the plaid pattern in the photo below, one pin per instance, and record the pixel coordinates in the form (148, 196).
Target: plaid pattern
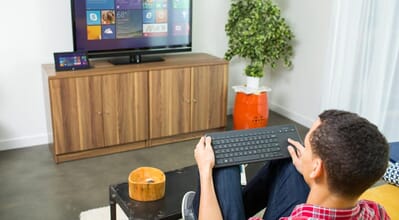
(364, 210)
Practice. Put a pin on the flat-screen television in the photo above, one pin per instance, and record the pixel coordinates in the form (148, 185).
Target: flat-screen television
(131, 28)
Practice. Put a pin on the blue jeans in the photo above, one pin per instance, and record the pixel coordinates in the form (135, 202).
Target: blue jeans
(278, 186)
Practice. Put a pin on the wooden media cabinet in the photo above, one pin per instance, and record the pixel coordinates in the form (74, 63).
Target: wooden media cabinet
(114, 108)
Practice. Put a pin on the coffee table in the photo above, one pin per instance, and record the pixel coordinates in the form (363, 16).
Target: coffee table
(178, 182)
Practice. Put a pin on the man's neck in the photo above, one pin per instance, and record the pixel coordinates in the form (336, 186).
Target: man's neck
(324, 198)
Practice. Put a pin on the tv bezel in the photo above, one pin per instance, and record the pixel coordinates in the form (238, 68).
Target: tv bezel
(134, 52)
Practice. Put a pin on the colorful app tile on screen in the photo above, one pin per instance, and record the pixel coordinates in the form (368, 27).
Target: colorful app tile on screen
(161, 16)
(93, 17)
(94, 32)
(107, 17)
(148, 4)
(149, 16)
(108, 32)
(128, 4)
(161, 4)
(128, 23)
(155, 29)
(100, 4)
(181, 17)
(181, 3)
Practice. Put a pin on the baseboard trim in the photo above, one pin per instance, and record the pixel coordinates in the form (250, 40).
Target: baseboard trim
(22, 142)
(230, 110)
(301, 119)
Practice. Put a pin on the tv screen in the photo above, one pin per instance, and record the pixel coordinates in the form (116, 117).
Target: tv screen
(131, 27)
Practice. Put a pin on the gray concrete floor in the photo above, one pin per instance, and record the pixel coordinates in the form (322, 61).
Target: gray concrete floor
(33, 187)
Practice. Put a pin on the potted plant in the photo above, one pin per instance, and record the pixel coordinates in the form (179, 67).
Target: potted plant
(256, 31)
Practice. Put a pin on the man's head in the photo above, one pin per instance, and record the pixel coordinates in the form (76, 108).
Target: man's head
(353, 152)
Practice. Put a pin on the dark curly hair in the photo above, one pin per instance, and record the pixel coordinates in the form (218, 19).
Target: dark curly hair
(354, 152)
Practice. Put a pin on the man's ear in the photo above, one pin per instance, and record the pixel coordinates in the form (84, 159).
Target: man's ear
(317, 168)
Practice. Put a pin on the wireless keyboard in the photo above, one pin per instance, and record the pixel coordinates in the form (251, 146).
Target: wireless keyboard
(252, 145)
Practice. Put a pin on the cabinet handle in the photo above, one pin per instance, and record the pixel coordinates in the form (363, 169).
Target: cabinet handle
(187, 100)
(195, 100)
(99, 113)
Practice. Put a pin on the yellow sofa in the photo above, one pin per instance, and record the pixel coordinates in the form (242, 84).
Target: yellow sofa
(387, 195)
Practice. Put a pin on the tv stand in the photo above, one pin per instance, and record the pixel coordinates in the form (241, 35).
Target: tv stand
(136, 59)
(114, 108)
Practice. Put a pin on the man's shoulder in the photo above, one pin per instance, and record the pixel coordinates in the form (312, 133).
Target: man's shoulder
(376, 210)
(364, 209)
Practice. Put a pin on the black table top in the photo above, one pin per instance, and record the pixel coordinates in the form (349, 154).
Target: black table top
(178, 182)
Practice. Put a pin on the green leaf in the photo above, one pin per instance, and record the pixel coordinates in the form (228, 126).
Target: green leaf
(257, 31)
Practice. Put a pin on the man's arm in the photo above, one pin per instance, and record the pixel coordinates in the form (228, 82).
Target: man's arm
(209, 207)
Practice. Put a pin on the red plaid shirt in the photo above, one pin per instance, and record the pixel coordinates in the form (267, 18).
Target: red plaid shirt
(364, 210)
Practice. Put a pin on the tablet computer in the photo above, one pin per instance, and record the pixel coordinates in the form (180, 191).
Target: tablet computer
(71, 61)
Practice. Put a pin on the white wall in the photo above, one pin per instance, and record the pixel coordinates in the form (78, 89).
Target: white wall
(209, 37)
(43, 27)
(297, 93)
(30, 35)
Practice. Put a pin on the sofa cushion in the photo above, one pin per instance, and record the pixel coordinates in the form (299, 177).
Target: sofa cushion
(394, 152)
(386, 195)
(392, 174)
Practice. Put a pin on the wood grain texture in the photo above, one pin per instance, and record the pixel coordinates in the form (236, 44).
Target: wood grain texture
(146, 184)
(102, 67)
(58, 158)
(125, 108)
(109, 108)
(180, 137)
(187, 100)
(169, 102)
(73, 102)
(209, 95)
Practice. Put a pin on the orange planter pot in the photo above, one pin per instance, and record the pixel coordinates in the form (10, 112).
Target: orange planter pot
(250, 111)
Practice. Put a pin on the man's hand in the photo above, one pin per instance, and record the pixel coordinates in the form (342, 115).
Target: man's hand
(204, 155)
(296, 152)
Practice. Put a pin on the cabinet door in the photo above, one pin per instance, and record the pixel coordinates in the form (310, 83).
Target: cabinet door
(170, 101)
(125, 108)
(209, 97)
(76, 112)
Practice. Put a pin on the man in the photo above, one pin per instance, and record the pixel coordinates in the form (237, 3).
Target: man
(343, 156)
